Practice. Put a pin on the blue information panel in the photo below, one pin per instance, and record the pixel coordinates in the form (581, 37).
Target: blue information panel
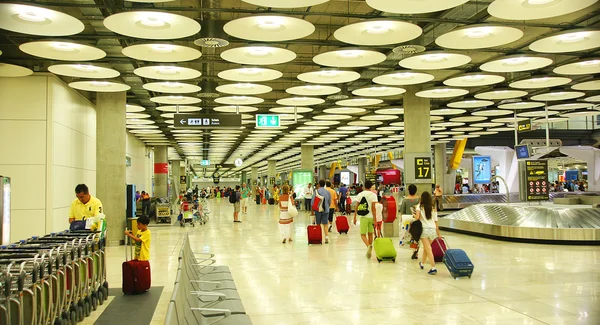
(482, 169)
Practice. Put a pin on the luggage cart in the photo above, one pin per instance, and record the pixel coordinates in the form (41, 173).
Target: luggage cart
(163, 212)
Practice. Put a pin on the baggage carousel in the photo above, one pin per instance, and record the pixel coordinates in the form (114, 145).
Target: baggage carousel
(460, 201)
(527, 223)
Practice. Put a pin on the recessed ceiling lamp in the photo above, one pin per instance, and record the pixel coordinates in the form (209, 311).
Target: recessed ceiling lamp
(142, 126)
(244, 89)
(329, 76)
(378, 91)
(333, 117)
(365, 123)
(236, 109)
(239, 100)
(581, 112)
(250, 74)
(344, 110)
(446, 111)
(593, 99)
(349, 58)
(152, 25)
(359, 102)
(300, 101)
(291, 110)
(535, 9)
(502, 129)
(401, 78)
(412, 6)
(588, 85)
(468, 119)
(568, 41)
(378, 32)
(379, 117)
(171, 87)
(550, 120)
(435, 60)
(99, 86)
(176, 100)
(11, 70)
(269, 28)
(391, 111)
(450, 124)
(130, 108)
(161, 52)
(145, 131)
(558, 95)
(470, 103)
(521, 105)
(258, 55)
(585, 66)
(498, 94)
(570, 106)
(285, 4)
(65, 51)
(167, 72)
(442, 92)
(313, 90)
(535, 82)
(35, 20)
(212, 34)
(516, 63)
(486, 125)
(508, 120)
(321, 123)
(537, 113)
(474, 80)
(479, 37)
(83, 71)
(492, 112)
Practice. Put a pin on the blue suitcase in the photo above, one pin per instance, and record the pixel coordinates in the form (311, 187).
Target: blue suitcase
(458, 263)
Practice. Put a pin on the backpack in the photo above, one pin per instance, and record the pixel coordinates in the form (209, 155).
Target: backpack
(233, 197)
(363, 207)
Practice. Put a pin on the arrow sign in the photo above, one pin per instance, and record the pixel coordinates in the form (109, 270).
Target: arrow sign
(183, 121)
(267, 120)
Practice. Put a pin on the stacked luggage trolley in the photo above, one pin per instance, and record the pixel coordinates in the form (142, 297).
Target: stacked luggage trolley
(204, 293)
(57, 279)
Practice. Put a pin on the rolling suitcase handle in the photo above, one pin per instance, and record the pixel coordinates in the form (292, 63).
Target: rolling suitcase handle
(128, 247)
(442, 248)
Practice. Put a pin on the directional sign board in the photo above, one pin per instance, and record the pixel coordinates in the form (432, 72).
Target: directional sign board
(267, 121)
(207, 121)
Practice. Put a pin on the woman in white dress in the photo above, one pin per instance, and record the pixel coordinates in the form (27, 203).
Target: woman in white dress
(285, 220)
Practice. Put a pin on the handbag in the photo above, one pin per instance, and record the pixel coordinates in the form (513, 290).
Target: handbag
(78, 225)
(317, 205)
(292, 211)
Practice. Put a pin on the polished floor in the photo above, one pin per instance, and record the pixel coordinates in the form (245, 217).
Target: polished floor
(297, 284)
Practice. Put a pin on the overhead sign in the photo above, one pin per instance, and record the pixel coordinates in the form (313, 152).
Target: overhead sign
(524, 126)
(422, 167)
(238, 162)
(205, 163)
(536, 172)
(267, 121)
(207, 121)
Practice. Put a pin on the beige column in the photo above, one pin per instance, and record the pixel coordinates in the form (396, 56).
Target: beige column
(417, 136)
(161, 171)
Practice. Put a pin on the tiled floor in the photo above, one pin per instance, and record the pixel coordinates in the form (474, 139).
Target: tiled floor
(297, 284)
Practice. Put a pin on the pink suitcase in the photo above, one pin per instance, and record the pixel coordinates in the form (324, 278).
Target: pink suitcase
(314, 234)
(438, 247)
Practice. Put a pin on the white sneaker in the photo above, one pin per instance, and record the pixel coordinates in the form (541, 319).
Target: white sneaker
(326, 240)
(369, 251)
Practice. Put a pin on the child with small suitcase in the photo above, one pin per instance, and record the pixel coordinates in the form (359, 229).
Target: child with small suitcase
(136, 273)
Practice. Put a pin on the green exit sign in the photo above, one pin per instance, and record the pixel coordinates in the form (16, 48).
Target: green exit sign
(205, 163)
(267, 121)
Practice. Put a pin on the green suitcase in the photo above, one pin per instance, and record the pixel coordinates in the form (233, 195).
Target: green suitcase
(384, 249)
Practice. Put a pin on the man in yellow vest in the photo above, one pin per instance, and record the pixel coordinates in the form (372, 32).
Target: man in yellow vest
(84, 206)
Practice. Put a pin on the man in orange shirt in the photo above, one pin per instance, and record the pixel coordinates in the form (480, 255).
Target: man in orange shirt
(334, 203)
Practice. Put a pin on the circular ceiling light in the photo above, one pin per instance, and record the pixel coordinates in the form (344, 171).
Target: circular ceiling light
(235, 109)
(558, 95)
(521, 105)
(391, 111)
(479, 37)
(239, 100)
(450, 124)
(244, 89)
(468, 129)
(290, 110)
(378, 117)
(449, 133)
(378, 91)
(99, 86)
(250, 74)
(349, 58)
(593, 99)
(269, 28)
(484, 132)
(258, 55)
(539, 82)
(344, 110)
(468, 119)
(570, 106)
(474, 80)
(167, 72)
(401, 78)
(171, 87)
(470, 103)
(502, 129)
(176, 100)
(442, 92)
(142, 126)
(435, 60)
(582, 112)
(285, 4)
(300, 101)
(550, 120)
(535, 9)
(313, 90)
(130, 108)
(11, 70)
(492, 112)
(359, 102)
(333, 117)
(588, 85)
(161, 52)
(378, 32)
(574, 40)
(145, 131)
(365, 123)
(498, 94)
(537, 113)
(486, 125)
(290, 116)
(508, 120)
(516, 63)
(83, 71)
(152, 25)
(320, 123)
(35, 20)
(587, 66)
(412, 6)
(329, 76)
(65, 51)
(182, 109)
(446, 111)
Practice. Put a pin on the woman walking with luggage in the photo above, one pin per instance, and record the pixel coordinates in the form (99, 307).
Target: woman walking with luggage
(285, 220)
(428, 217)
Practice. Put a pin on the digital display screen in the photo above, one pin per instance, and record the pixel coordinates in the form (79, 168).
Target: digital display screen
(522, 151)
(482, 169)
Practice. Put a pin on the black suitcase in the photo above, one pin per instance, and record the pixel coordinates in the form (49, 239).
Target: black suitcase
(257, 199)
(271, 201)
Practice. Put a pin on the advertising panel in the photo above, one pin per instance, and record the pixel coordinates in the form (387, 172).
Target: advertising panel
(482, 169)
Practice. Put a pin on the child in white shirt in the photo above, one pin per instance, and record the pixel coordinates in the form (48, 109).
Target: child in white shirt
(379, 217)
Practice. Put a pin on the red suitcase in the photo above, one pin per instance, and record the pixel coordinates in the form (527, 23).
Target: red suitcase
(314, 234)
(438, 247)
(341, 223)
(136, 277)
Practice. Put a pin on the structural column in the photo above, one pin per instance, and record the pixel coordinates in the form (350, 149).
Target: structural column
(244, 178)
(161, 171)
(254, 179)
(323, 172)
(176, 171)
(417, 137)
(440, 166)
(271, 171)
(307, 157)
(182, 172)
(362, 170)
(110, 162)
